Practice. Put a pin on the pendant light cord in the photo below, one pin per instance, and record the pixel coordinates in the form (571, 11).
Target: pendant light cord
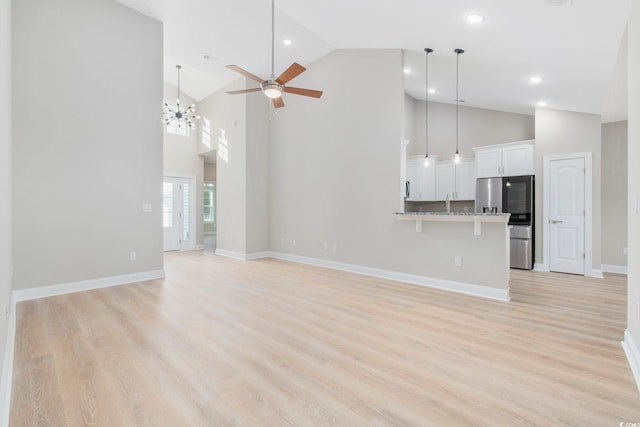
(458, 52)
(426, 103)
(178, 67)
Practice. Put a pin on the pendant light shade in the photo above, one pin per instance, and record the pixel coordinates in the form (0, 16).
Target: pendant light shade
(426, 107)
(176, 116)
(456, 156)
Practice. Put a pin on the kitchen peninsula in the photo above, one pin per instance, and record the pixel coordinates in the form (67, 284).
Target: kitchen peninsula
(476, 245)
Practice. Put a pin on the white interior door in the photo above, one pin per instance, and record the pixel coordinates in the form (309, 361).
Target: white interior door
(176, 213)
(567, 216)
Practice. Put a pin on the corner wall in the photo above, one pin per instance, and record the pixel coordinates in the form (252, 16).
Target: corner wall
(5, 192)
(614, 195)
(565, 132)
(87, 141)
(632, 335)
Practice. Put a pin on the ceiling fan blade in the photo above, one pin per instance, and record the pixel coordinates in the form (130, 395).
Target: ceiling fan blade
(245, 73)
(236, 92)
(278, 102)
(305, 92)
(290, 73)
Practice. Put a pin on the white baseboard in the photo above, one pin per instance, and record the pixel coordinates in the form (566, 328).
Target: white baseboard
(538, 266)
(7, 367)
(241, 256)
(617, 269)
(633, 356)
(85, 285)
(448, 285)
(596, 273)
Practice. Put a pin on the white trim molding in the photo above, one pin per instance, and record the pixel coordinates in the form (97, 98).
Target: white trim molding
(597, 273)
(616, 269)
(243, 257)
(414, 279)
(7, 367)
(633, 356)
(540, 267)
(85, 285)
(588, 207)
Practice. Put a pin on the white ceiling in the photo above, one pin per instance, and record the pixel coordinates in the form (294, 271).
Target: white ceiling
(572, 44)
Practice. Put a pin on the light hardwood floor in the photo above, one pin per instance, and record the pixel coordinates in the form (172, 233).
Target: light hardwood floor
(221, 342)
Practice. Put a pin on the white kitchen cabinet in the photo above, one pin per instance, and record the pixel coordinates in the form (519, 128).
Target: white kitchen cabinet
(445, 180)
(457, 181)
(465, 180)
(511, 159)
(411, 180)
(422, 179)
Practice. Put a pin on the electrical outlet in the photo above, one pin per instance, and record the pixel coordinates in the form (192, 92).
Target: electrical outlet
(133, 256)
(6, 312)
(293, 243)
(457, 261)
(335, 246)
(146, 207)
(282, 240)
(324, 246)
(625, 251)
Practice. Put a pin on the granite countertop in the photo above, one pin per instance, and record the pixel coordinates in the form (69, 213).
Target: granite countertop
(453, 213)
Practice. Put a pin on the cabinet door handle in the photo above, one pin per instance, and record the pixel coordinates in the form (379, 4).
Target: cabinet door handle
(555, 221)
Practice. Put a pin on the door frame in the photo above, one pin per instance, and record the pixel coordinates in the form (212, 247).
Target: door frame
(194, 208)
(588, 208)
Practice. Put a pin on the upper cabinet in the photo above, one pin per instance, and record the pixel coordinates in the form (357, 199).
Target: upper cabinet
(511, 159)
(456, 181)
(421, 177)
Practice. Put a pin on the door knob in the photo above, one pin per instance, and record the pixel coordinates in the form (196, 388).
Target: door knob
(555, 221)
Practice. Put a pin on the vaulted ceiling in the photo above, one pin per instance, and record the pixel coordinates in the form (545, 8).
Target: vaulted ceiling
(572, 44)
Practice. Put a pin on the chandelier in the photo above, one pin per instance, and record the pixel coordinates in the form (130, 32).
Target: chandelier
(174, 115)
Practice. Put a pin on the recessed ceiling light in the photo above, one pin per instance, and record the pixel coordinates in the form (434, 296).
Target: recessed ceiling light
(286, 42)
(535, 79)
(406, 70)
(474, 18)
(541, 103)
(432, 91)
(209, 57)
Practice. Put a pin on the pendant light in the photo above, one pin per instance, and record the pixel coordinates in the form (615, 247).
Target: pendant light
(456, 157)
(426, 107)
(175, 115)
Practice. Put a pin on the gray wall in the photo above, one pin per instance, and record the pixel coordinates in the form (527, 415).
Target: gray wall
(614, 193)
(563, 132)
(5, 175)
(210, 172)
(478, 127)
(180, 156)
(633, 287)
(228, 130)
(335, 178)
(87, 80)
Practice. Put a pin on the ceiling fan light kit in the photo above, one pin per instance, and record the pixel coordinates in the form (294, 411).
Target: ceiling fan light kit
(273, 87)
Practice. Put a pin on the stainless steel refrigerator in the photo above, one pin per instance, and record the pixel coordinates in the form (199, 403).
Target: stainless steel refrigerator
(514, 195)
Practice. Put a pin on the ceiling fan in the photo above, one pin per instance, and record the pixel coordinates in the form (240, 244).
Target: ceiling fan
(274, 87)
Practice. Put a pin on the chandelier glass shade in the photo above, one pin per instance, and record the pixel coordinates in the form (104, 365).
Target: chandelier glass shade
(175, 115)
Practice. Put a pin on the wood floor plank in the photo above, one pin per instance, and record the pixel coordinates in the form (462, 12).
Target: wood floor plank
(222, 342)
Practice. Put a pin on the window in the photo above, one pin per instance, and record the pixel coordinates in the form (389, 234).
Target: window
(186, 222)
(209, 202)
(167, 204)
